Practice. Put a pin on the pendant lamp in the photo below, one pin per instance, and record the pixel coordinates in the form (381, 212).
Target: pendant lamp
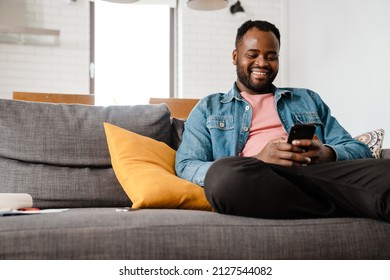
(207, 5)
(122, 1)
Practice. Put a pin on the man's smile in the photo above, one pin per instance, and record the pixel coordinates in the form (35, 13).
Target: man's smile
(259, 72)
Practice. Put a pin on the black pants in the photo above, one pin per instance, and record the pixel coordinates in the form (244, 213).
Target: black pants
(246, 186)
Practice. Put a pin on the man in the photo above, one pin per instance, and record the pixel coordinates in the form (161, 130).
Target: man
(235, 145)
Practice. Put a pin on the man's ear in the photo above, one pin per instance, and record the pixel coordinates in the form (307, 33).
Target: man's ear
(234, 56)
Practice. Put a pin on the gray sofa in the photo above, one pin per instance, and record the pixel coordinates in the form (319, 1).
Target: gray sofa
(58, 153)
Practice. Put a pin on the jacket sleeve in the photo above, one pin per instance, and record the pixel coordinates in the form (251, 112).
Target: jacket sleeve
(337, 138)
(194, 156)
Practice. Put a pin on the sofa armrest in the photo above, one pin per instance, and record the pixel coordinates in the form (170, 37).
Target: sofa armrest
(385, 153)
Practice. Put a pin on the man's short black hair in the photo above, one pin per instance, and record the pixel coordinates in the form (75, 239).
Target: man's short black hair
(259, 24)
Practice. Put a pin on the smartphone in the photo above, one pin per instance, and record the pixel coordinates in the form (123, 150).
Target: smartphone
(301, 131)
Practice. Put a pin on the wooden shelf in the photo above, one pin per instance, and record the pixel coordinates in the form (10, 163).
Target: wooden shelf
(29, 36)
(88, 99)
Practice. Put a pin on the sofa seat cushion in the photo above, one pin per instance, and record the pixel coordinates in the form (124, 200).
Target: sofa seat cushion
(106, 233)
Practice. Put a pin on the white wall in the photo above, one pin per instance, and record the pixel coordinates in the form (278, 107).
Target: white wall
(341, 49)
(63, 68)
(206, 41)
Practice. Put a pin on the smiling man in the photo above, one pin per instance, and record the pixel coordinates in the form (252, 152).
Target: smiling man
(262, 47)
(235, 145)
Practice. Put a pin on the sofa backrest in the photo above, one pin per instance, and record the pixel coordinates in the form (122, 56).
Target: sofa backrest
(58, 153)
(180, 108)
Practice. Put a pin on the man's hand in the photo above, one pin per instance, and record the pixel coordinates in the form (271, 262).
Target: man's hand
(300, 152)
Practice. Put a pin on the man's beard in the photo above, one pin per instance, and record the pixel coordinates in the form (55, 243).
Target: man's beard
(260, 87)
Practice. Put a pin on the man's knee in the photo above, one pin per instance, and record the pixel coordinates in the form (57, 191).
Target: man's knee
(220, 175)
(227, 172)
(225, 182)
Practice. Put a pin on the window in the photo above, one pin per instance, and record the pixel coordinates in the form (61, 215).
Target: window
(132, 50)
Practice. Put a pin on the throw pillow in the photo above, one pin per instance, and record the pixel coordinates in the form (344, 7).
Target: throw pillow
(145, 168)
(374, 140)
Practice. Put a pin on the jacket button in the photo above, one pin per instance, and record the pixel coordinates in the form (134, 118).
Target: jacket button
(247, 108)
(246, 129)
(221, 124)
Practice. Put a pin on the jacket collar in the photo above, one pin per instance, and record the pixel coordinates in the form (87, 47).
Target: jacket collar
(234, 93)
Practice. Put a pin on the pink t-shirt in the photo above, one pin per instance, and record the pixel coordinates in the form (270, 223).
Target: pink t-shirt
(265, 126)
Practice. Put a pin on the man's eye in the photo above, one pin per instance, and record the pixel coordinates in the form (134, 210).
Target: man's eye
(252, 55)
(272, 57)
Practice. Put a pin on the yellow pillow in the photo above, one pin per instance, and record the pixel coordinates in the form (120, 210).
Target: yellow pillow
(145, 168)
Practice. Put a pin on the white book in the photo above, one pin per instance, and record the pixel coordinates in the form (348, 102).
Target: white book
(32, 211)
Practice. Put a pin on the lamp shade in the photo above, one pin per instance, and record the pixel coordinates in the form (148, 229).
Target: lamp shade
(207, 5)
(122, 1)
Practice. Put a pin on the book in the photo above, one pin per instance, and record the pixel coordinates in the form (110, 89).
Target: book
(12, 204)
(15, 200)
(29, 211)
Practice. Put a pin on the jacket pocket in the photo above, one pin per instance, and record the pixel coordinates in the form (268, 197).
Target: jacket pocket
(220, 122)
(306, 118)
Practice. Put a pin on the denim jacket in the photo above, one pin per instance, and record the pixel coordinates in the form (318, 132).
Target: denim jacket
(219, 126)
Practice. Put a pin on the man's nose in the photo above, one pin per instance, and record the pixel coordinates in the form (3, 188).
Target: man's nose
(262, 61)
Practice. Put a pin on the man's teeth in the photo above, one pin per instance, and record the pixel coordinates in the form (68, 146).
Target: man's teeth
(259, 73)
